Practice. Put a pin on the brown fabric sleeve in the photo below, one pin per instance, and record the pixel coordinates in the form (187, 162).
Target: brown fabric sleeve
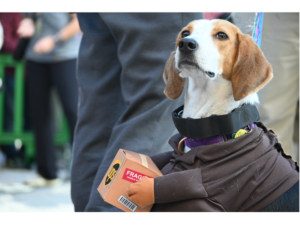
(161, 159)
(179, 186)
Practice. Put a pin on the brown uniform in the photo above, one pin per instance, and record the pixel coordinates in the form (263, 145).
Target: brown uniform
(243, 174)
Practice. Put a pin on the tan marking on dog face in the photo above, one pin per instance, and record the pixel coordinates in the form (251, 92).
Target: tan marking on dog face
(174, 83)
(227, 48)
(189, 28)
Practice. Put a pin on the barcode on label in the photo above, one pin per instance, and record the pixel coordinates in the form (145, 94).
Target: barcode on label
(127, 203)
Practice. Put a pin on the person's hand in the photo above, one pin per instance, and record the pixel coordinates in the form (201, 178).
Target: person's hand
(44, 45)
(26, 28)
(142, 192)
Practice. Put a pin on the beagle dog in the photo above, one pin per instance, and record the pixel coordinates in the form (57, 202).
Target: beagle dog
(224, 69)
(215, 51)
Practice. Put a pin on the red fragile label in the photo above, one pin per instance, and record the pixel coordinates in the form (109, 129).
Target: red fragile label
(133, 176)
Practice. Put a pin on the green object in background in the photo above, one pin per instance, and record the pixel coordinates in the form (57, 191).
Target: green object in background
(18, 135)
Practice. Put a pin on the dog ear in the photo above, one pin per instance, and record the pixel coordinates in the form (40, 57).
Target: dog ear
(251, 70)
(174, 83)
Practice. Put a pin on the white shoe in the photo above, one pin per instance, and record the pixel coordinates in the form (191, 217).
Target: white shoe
(42, 182)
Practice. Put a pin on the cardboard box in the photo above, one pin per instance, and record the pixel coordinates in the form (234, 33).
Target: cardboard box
(126, 168)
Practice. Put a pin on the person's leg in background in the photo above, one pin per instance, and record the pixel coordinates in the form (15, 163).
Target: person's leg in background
(131, 50)
(99, 107)
(39, 84)
(278, 99)
(145, 126)
(280, 45)
(63, 76)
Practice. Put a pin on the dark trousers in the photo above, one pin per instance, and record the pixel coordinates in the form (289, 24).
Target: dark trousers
(41, 78)
(121, 101)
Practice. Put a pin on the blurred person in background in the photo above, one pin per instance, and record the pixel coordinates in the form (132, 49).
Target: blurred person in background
(121, 101)
(10, 23)
(218, 15)
(51, 61)
(279, 99)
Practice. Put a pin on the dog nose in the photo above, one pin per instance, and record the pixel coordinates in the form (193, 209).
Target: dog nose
(187, 45)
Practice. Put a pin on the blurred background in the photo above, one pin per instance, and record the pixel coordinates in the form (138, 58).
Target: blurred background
(38, 100)
(38, 107)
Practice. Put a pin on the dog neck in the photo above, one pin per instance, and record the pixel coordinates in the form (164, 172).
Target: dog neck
(205, 97)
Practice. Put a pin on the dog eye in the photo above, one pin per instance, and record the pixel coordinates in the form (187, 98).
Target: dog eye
(221, 36)
(185, 34)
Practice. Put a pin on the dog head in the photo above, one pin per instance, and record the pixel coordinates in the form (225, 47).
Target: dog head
(216, 49)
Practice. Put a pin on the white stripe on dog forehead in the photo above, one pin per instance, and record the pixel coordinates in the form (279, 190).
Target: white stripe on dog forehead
(207, 54)
(201, 26)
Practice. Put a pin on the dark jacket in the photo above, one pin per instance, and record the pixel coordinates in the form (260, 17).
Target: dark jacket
(243, 174)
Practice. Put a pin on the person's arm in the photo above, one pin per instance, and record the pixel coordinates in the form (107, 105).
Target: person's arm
(70, 30)
(26, 27)
(46, 44)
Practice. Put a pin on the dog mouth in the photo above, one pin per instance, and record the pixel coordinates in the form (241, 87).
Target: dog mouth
(189, 63)
(193, 64)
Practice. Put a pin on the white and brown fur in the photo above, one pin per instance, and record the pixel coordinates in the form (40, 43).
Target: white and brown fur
(239, 66)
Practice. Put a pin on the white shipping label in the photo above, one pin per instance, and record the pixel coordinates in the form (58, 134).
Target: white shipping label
(127, 203)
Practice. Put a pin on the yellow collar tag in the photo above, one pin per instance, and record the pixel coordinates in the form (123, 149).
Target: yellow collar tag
(240, 132)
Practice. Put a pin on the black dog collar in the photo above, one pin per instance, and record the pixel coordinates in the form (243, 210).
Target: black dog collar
(215, 125)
